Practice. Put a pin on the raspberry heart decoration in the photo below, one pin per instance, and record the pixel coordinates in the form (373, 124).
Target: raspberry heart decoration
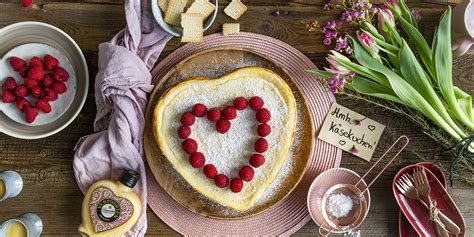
(223, 123)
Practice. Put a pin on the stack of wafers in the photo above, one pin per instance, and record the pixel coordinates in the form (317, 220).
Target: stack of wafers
(191, 14)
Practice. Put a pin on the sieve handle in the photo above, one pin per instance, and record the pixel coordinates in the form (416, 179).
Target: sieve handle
(407, 140)
(320, 230)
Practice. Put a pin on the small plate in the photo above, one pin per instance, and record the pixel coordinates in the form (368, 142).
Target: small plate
(405, 229)
(176, 30)
(417, 215)
(55, 41)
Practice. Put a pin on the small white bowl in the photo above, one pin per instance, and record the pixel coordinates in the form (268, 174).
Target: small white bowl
(176, 30)
(37, 32)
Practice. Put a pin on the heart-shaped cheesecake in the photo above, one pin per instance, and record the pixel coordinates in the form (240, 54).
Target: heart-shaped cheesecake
(230, 149)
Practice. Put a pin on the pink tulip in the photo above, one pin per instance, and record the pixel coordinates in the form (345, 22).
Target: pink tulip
(392, 5)
(336, 67)
(386, 22)
(367, 42)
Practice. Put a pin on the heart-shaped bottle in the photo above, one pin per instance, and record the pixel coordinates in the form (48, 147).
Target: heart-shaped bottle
(111, 208)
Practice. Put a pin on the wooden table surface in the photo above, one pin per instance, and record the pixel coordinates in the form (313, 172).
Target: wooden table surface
(46, 164)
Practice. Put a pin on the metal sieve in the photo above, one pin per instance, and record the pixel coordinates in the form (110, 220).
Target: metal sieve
(359, 204)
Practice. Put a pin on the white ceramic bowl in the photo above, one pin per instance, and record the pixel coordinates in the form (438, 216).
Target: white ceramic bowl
(176, 30)
(37, 32)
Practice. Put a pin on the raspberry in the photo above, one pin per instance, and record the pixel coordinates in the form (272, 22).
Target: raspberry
(187, 119)
(48, 80)
(184, 132)
(30, 83)
(59, 87)
(261, 145)
(256, 103)
(199, 110)
(9, 84)
(36, 72)
(49, 94)
(36, 91)
(246, 173)
(22, 103)
(50, 62)
(263, 115)
(30, 114)
(60, 74)
(236, 185)
(26, 3)
(221, 180)
(214, 114)
(16, 63)
(240, 103)
(24, 71)
(43, 105)
(256, 160)
(263, 130)
(229, 113)
(210, 171)
(197, 160)
(22, 91)
(189, 146)
(35, 61)
(222, 126)
(8, 97)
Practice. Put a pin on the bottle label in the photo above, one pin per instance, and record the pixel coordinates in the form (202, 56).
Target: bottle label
(107, 210)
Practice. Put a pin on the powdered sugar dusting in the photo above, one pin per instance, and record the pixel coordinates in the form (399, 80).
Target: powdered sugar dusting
(280, 186)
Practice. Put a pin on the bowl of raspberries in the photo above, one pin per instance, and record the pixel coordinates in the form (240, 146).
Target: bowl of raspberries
(43, 77)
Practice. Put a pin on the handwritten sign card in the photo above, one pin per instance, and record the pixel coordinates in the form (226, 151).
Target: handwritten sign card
(351, 131)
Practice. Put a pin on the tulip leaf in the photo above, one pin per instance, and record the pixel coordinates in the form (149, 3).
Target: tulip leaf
(321, 73)
(366, 60)
(465, 101)
(420, 43)
(368, 87)
(407, 15)
(442, 58)
(410, 96)
(413, 74)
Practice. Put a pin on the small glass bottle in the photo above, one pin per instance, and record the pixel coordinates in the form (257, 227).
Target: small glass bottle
(111, 208)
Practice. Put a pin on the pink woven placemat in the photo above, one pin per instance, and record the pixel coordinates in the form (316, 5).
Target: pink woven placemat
(291, 214)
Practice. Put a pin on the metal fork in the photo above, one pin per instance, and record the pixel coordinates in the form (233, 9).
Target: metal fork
(423, 187)
(406, 187)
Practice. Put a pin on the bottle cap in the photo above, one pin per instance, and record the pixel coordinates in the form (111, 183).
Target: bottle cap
(129, 178)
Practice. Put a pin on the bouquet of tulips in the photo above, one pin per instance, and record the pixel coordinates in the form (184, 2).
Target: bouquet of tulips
(387, 57)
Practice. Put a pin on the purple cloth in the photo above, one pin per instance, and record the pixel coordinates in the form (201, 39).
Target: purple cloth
(121, 88)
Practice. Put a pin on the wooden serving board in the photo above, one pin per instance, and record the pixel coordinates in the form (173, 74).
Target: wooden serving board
(213, 64)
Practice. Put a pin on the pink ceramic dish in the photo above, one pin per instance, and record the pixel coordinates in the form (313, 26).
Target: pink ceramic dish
(404, 228)
(417, 215)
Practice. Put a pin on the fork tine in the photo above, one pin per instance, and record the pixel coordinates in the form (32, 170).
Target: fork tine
(408, 179)
(415, 177)
(400, 189)
(406, 184)
(421, 174)
(418, 181)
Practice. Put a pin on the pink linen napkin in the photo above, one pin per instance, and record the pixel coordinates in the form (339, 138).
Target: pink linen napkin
(121, 88)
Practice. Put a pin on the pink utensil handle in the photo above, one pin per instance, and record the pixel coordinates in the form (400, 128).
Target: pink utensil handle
(440, 231)
(407, 140)
(449, 224)
(461, 46)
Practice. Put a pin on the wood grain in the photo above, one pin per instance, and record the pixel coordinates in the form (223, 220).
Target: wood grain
(46, 164)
